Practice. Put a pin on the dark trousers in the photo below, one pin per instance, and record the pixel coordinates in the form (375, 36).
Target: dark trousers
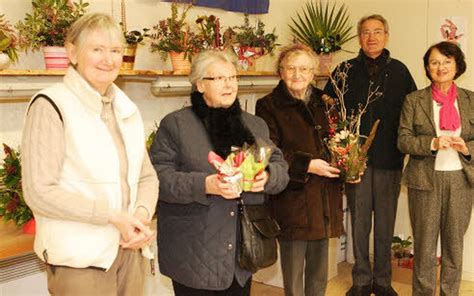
(377, 193)
(446, 211)
(304, 259)
(234, 290)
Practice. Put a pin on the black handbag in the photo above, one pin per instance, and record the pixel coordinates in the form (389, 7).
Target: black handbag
(258, 247)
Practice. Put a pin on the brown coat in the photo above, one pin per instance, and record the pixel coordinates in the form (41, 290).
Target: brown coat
(310, 207)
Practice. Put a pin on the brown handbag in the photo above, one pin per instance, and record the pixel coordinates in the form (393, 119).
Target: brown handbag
(258, 247)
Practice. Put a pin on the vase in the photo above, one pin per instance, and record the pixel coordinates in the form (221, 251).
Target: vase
(179, 62)
(30, 227)
(128, 60)
(325, 63)
(4, 61)
(55, 57)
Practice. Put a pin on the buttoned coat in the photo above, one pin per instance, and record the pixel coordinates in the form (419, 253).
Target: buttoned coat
(417, 130)
(310, 208)
(198, 232)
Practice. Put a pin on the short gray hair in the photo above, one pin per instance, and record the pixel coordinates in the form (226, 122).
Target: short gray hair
(295, 50)
(206, 58)
(79, 30)
(377, 17)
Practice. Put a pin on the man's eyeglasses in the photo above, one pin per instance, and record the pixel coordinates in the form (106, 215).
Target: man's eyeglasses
(292, 70)
(222, 79)
(376, 33)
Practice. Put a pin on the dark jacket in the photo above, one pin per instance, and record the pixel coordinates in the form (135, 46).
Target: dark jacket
(395, 82)
(417, 129)
(197, 232)
(310, 208)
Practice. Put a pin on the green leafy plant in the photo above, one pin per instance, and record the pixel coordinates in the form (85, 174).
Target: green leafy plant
(8, 39)
(174, 34)
(48, 23)
(151, 137)
(247, 35)
(323, 28)
(12, 203)
(210, 32)
(402, 248)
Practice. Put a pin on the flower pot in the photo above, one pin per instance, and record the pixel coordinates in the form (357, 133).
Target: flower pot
(4, 61)
(55, 58)
(128, 60)
(30, 227)
(247, 57)
(325, 63)
(179, 62)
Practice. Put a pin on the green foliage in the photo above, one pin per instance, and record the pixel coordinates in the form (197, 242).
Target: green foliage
(323, 28)
(402, 247)
(210, 32)
(174, 34)
(48, 23)
(8, 39)
(151, 137)
(12, 203)
(247, 35)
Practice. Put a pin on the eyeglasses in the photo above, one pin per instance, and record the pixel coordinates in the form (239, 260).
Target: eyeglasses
(436, 63)
(376, 33)
(292, 70)
(222, 79)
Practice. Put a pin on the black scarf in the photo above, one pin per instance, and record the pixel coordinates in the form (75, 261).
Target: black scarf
(223, 125)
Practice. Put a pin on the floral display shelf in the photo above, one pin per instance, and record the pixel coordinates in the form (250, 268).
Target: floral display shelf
(19, 85)
(152, 73)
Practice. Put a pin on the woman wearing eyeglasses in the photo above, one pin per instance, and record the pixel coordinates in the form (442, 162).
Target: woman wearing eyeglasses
(197, 210)
(437, 131)
(309, 210)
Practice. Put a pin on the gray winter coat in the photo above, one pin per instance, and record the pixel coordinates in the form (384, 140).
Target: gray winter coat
(197, 233)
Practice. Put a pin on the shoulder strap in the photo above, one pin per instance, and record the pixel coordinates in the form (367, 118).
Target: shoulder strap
(50, 101)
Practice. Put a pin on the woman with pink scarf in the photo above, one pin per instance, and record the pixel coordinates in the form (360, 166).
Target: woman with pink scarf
(437, 131)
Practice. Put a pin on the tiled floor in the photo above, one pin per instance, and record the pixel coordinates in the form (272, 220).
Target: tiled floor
(342, 282)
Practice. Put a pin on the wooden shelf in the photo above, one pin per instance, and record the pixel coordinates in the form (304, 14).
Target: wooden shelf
(151, 73)
(14, 242)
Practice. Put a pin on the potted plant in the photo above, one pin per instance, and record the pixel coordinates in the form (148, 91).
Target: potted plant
(251, 42)
(12, 203)
(173, 36)
(132, 39)
(210, 32)
(8, 43)
(324, 28)
(46, 26)
(403, 251)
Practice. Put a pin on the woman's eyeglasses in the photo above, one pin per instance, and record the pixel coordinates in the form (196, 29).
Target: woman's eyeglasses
(436, 63)
(292, 70)
(222, 79)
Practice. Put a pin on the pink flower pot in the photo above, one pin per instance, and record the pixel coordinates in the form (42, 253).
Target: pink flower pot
(30, 227)
(55, 58)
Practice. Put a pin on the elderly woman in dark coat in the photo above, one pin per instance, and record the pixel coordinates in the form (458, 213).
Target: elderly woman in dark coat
(309, 211)
(198, 211)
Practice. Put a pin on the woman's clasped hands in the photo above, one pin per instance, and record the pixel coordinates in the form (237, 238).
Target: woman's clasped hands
(135, 231)
(446, 142)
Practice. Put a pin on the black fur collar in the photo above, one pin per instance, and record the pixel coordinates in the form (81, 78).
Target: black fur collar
(223, 125)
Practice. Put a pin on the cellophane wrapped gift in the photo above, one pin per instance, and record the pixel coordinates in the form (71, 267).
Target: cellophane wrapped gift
(242, 164)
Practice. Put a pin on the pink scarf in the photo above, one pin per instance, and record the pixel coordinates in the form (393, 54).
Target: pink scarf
(448, 115)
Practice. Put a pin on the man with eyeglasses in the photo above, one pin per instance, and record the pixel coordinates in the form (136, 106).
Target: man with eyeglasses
(378, 191)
